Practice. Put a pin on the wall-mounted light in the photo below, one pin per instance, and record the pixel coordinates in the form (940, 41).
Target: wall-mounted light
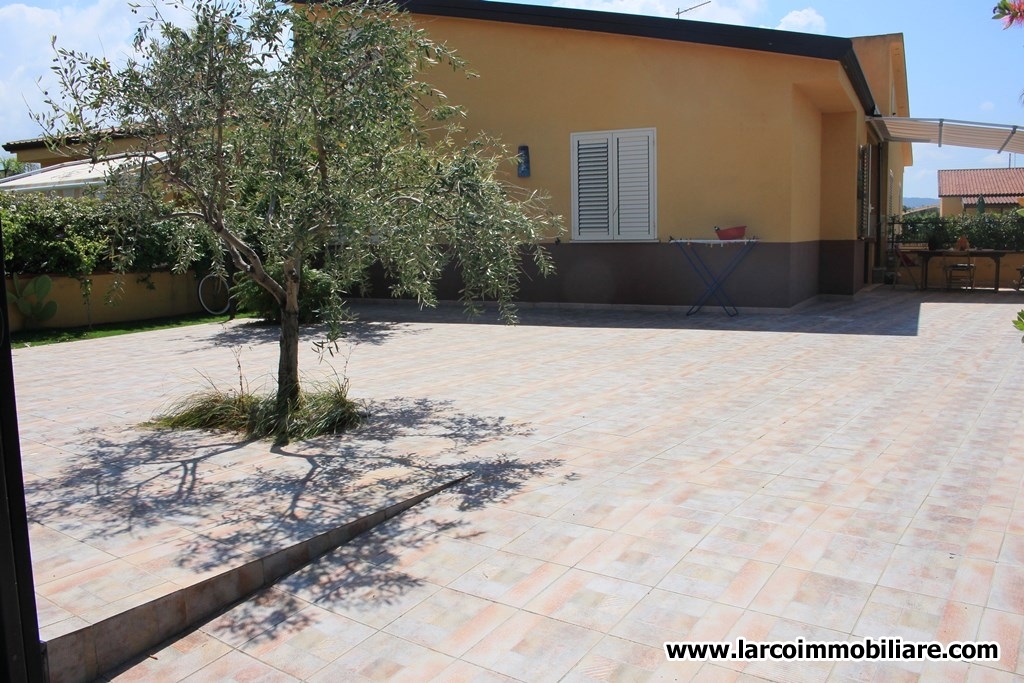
(524, 162)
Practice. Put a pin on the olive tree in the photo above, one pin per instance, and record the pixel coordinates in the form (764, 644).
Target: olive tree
(287, 133)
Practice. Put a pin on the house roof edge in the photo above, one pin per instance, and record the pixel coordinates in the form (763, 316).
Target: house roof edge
(682, 30)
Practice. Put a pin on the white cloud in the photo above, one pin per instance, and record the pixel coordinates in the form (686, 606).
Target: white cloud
(742, 12)
(103, 28)
(996, 160)
(653, 8)
(920, 182)
(804, 20)
(926, 153)
(987, 106)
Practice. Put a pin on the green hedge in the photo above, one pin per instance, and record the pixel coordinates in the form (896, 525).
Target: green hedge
(60, 236)
(79, 236)
(984, 231)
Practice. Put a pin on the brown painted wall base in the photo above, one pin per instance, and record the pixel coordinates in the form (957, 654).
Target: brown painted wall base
(842, 266)
(772, 275)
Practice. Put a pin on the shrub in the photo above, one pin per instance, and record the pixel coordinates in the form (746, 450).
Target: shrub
(984, 231)
(78, 236)
(326, 409)
(316, 294)
(55, 235)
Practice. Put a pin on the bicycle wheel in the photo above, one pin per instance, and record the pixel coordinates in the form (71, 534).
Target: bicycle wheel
(213, 294)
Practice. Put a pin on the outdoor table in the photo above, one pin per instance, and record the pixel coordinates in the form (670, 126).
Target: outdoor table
(713, 281)
(927, 255)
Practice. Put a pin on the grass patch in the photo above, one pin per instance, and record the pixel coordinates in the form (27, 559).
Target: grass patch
(326, 409)
(26, 338)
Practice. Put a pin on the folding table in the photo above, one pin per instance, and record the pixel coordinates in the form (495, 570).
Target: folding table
(927, 255)
(713, 281)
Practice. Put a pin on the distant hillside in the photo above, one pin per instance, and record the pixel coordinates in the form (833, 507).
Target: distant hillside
(915, 202)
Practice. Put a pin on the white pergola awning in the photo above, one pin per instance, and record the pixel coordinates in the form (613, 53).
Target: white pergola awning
(66, 177)
(1000, 137)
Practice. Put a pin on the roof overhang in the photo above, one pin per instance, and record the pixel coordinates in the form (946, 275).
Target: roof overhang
(67, 176)
(67, 141)
(999, 137)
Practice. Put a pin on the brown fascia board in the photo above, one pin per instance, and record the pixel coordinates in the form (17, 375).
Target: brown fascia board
(21, 145)
(40, 143)
(704, 33)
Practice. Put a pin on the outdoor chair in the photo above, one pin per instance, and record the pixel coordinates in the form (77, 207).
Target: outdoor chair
(960, 273)
(906, 262)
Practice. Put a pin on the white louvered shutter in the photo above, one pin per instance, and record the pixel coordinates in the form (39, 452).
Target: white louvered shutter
(592, 191)
(634, 186)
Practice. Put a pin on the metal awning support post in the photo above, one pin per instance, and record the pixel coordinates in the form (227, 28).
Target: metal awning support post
(1013, 131)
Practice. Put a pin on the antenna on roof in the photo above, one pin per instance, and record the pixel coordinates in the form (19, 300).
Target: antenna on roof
(684, 11)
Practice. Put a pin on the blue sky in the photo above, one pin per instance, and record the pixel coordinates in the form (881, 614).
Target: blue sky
(960, 63)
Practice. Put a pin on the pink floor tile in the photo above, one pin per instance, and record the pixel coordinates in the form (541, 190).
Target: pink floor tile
(590, 600)
(384, 657)
(532, 647)
(450, 621)
(719, 578)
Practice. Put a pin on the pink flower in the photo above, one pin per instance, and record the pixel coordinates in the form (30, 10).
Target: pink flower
(1010, 11)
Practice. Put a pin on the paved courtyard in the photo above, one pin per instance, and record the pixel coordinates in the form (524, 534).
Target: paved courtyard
(852, 469)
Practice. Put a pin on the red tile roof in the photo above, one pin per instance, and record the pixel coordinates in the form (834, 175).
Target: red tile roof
(987, 182)
(991, 201)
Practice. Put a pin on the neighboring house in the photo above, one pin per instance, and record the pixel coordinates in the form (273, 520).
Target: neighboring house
(37, 151)
(67, 171)
(641, 129)
(1000, 189)
(70, 179)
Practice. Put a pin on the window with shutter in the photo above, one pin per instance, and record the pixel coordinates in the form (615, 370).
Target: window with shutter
(613, 185)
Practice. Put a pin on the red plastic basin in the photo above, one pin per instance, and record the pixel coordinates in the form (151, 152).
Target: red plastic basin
(734, 233)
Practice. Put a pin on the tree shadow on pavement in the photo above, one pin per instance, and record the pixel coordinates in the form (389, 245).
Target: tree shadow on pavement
(221, 501)
(876, 312)
(355, 331)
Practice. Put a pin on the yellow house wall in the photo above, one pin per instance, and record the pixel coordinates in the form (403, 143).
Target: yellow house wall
(734, 144)
(839, 176)
(894, 156)
(950, 206)
(139, 297)
(882, 59)
(806, 171)
(882, 62)
(896, 166)
(45, 157)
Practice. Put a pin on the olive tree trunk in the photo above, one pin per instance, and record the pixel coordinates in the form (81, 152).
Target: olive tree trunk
(288, 363)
